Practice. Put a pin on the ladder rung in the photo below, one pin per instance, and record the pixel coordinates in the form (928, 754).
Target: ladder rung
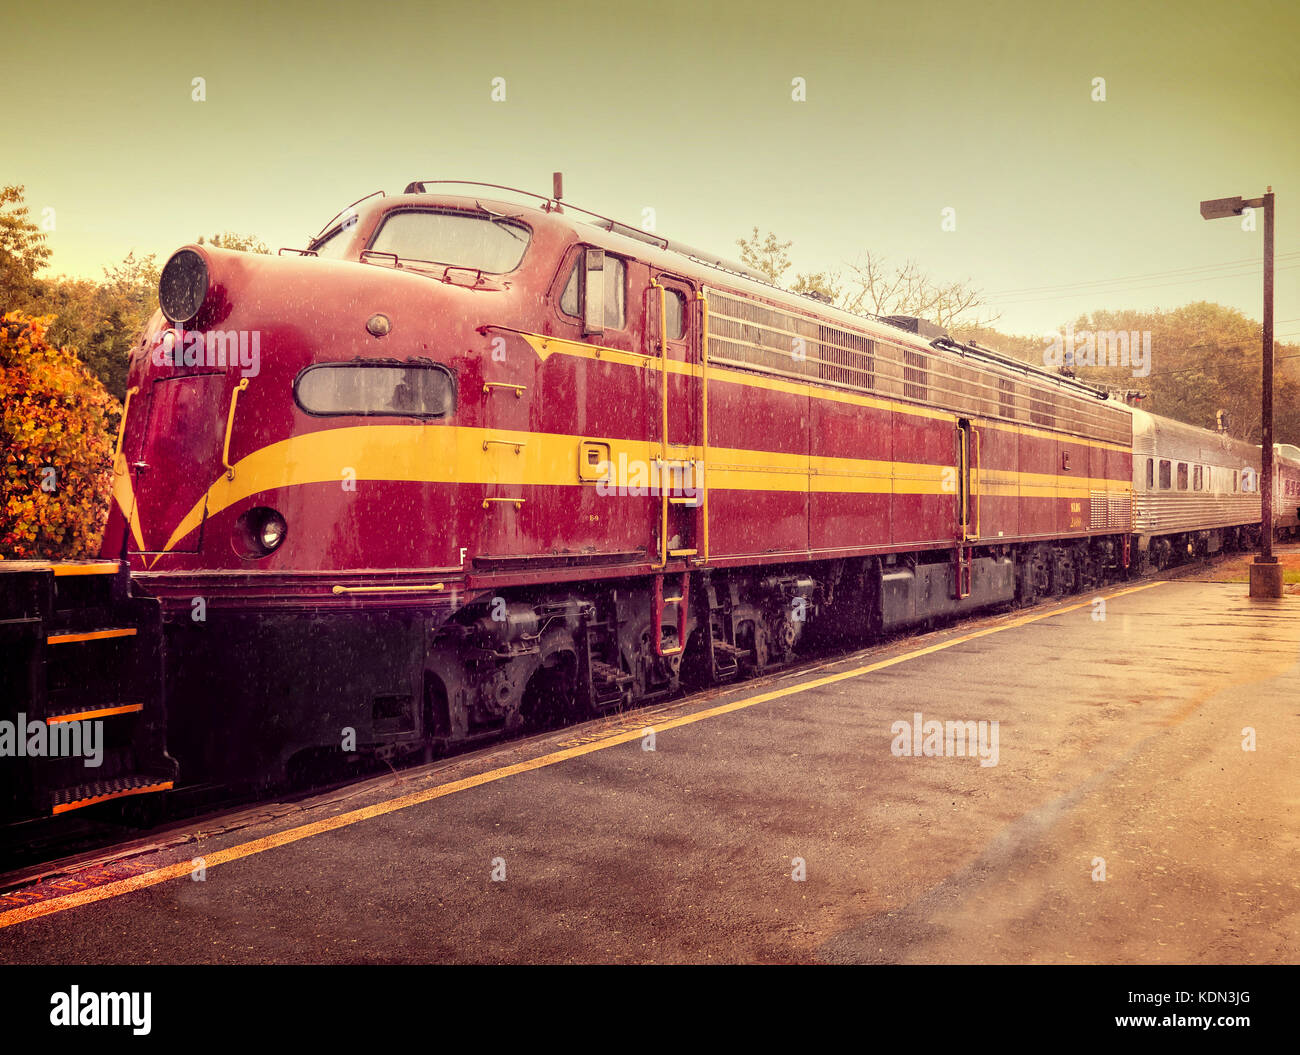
(672, 600)
(99, 567)
(682, 552)
(75, 798)
(97, 712)
(90, 635)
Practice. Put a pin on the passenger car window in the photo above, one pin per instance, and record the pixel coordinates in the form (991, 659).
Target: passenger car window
(460, 239)
(1164, 475)
(1182, 476)
(1151, 473)
(1197, 478)
(420, 390)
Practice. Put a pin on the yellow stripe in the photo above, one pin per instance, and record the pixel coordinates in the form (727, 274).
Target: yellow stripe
(380, 809)
(456, 454)
(93, 635)
(548, 346)
(124, 496)
(411, 453)
(1007, 483)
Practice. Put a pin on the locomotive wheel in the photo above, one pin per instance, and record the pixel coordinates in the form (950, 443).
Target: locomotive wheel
(550, 697)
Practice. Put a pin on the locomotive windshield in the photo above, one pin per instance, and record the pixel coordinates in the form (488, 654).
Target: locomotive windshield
(493, 244)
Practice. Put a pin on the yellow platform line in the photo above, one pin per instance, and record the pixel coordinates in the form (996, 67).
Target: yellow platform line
(380, 809)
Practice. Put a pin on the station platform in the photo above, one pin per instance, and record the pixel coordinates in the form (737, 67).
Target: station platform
(1141, 807)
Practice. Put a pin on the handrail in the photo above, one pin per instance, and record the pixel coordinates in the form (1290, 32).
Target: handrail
(704, 414)
(663, 385)
(489, 385)
(230, 425)
(431, 588)
(121, 429)
(964, 442)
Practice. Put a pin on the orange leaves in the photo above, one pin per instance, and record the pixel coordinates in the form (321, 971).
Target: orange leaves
(56, 437)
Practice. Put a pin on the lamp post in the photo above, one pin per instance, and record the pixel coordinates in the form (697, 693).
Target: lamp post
(1265, 572)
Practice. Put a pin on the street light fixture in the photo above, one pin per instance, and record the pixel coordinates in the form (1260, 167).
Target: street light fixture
(1265, 571)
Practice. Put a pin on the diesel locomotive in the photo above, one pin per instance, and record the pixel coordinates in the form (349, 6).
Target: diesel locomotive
(466, 465)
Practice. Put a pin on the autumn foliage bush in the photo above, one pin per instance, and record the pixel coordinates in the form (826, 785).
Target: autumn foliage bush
(57, 425)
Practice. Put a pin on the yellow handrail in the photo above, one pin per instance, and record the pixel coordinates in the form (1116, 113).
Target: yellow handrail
(704, 414)
(121, 429)
(230, 424)
(964, 444)
(663, 459)
(432, 588)
(489, 385)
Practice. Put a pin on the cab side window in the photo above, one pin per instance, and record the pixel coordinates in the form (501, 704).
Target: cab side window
(674, 314)
(615, 292)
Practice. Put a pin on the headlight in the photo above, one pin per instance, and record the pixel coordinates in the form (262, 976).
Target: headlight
(183, 286)
(272, 531)
(259, 532)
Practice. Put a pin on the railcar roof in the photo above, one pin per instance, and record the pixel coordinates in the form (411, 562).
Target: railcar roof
(1179, 439)
(711, 270)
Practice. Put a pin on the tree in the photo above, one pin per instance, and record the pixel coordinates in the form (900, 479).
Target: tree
(103, 320)
(245, 243)
(877, 288)
(1204, 358)
(23, 252)
(766, 255)
(56, 432)
(871, 286)
(1026, 349)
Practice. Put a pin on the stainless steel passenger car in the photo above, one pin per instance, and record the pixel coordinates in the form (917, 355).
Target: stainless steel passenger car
(1194, 491)
(1286, 490)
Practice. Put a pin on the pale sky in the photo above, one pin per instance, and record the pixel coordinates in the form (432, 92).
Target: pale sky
(686, 108)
